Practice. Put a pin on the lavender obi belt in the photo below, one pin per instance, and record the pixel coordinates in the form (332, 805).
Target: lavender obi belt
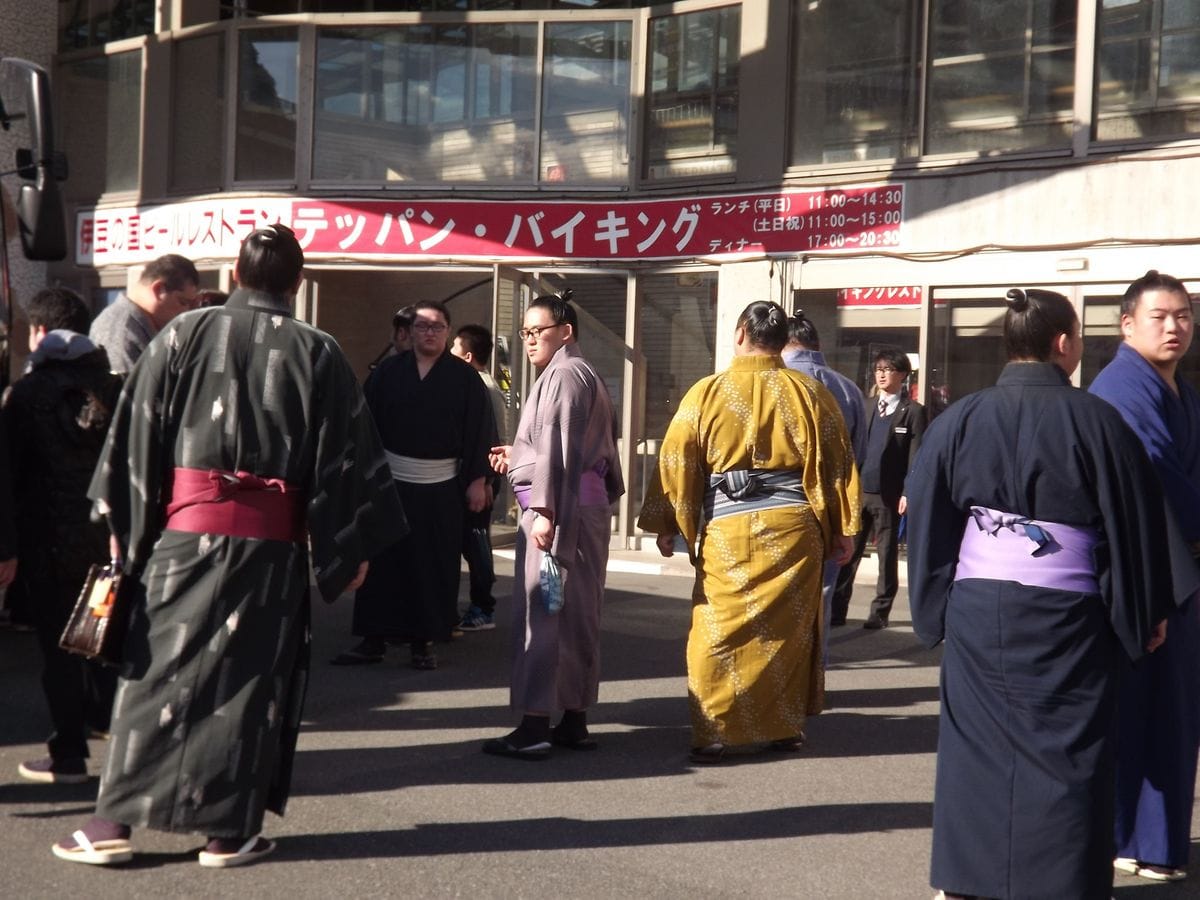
(592, 491)
(1001, 546)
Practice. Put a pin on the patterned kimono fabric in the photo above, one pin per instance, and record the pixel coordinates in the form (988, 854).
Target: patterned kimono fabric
(210, 698)
(754, 658)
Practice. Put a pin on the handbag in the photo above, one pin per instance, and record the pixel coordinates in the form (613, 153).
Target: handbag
(96, 628)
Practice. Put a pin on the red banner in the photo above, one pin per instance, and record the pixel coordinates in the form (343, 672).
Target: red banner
(786, 222)
(909, 295)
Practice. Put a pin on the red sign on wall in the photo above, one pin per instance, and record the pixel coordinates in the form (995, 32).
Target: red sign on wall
(784, 222)
(909, 295)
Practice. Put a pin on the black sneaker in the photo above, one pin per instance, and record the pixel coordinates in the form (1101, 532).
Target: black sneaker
(50, 771)
(874, 623)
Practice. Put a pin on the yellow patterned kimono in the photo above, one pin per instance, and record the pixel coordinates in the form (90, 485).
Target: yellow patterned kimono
(754, 650)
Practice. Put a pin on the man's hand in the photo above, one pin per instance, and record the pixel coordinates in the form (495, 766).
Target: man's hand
(359, 577)
(1158, 638)
(498, 458)
(542, 532)
(477, 495)
(902, 507)
(843, 549)
(8, 571)
(666, 544)
(114, 548)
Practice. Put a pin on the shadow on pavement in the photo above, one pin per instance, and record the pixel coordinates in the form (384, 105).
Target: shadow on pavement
(521, 835)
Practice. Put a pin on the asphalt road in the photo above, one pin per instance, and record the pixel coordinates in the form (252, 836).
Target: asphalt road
(392, 797)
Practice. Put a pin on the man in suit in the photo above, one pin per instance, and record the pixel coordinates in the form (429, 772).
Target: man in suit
(894, 428)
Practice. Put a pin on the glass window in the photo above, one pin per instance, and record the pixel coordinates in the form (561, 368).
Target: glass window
(1002, 74)
(198, 113)
(266, 112)
(966, 348)
(855, 87)
(1148, 69)
(426, 103)
(677, 316)
(692, 121)
(92, 23)
(851, 337)
(585, 102)
(100, 120)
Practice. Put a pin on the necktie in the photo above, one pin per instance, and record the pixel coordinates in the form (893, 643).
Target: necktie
(882, 407)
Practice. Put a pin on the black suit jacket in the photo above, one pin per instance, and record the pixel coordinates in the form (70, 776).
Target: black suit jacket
(905, 429)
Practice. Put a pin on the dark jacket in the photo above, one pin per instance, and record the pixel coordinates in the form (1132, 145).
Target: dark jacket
(905, 429)
(56, 418)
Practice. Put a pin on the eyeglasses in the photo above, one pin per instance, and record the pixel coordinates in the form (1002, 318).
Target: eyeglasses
(428, 327)
(535, 332)
(886, 370)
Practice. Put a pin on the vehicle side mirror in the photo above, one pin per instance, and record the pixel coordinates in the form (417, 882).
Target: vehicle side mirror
(25, 100)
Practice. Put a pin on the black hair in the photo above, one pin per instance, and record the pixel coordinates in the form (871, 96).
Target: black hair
(560, 309)
(896, 358)
(57, 308)
(435, 305)
(802, 331)
(270, 260)
(173, 270)
(1151, 281)
(477, 340)
(766, 325)
(1035, 318)
(208, 298)
(403, 318)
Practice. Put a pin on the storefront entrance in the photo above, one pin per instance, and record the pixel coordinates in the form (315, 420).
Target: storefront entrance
(649, 332)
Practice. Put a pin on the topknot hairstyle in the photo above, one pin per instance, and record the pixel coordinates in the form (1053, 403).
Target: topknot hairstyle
(1035, 318)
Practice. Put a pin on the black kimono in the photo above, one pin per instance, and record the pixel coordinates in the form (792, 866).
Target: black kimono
(411, 591)
(209, 703)
(1024, 799)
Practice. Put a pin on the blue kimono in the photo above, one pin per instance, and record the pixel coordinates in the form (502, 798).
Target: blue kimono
(1023, 803)
(1159, 700)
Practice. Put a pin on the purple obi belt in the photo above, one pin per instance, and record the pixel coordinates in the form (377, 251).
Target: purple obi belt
(1007, 547)
(592, 491)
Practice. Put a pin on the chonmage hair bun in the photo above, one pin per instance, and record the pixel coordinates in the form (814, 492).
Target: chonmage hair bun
(1016, 299)
(566, 295)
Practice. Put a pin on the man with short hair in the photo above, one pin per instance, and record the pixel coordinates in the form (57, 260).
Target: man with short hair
(433, 416)
(894, 428)
(473, 345)
(803, 353)
(56, 417)
(166, 287)
(265, 458)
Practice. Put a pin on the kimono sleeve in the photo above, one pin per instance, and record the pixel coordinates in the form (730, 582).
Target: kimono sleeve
(8, 534)
(353, 510)
(127, 484)
(480, 432)
(831, 475)
(1144, 560)
(935, 530)
(675, 496)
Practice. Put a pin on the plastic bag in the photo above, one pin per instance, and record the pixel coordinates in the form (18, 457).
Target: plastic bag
(550, 579)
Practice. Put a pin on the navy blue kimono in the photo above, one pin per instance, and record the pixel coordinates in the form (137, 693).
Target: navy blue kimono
(1024, 795)
(1159, 704)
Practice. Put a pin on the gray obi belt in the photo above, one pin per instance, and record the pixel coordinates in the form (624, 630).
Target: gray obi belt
(1003, 546)
(751, 490)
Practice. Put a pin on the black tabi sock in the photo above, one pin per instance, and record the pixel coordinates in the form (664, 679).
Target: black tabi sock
(532, 730)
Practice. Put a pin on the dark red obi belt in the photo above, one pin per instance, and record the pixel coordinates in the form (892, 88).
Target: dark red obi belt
(237, 504)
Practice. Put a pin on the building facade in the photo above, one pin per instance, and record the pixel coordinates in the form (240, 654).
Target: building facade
(890, 166)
